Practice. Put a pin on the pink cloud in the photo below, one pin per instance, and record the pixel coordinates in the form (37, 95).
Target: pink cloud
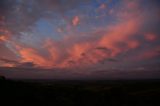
(150, 37)
(75, 21)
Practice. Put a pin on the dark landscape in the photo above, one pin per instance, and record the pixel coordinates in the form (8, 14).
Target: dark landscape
(80, 92)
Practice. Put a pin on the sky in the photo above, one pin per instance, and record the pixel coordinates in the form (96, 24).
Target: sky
(95, 39)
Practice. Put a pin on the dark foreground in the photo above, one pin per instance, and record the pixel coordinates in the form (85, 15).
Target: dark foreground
(80, 93)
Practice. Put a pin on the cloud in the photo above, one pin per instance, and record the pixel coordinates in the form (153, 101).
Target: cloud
(21, 15)
(81, 52)
(103, 6)
(147, 54)
(75, 21)
(14, 63)
(77, 48)
(150, 37)
(8, 61)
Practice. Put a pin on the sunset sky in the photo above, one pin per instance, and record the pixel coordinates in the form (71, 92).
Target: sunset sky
(58, 39)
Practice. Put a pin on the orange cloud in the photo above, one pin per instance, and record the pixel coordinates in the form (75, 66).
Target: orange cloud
(92, 52)
(5, 34)
(8, 65)
(133, 44)
(30, 55)
(118, 34)
(53, 51)
(83, 53)
(3, 38)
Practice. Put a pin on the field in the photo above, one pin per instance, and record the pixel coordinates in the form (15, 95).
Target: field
(80, 93)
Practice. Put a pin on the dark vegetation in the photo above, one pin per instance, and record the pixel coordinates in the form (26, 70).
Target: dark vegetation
(80, 93)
